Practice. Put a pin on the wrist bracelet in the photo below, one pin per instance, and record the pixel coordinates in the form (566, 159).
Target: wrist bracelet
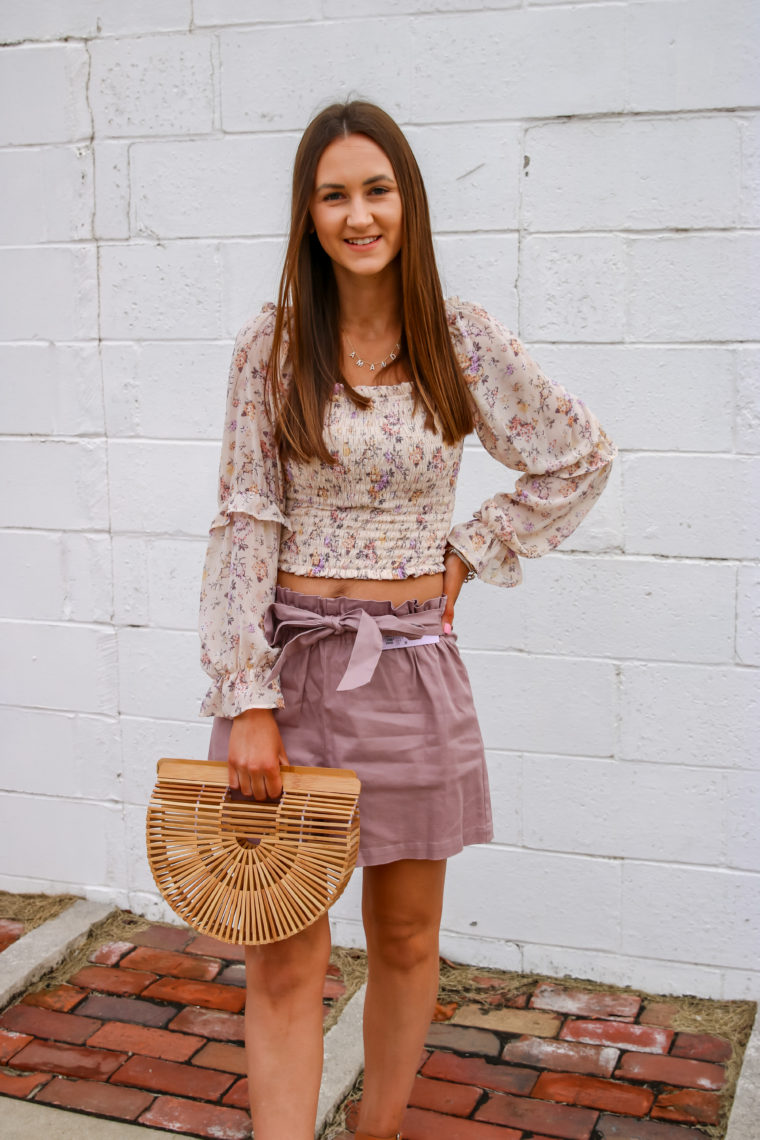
(472, 573)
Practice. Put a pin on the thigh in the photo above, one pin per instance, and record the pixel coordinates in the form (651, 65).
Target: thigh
(403, 896)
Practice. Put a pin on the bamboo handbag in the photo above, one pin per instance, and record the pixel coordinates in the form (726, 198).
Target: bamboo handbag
(251, 871)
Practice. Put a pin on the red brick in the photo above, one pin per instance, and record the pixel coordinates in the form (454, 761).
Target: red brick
(519, 1001)
(11, 928)
(237, 1096)
(443, 1096)
(169, 962)
(658, 1013)
(213, 948)
(560, 1120)
(210, 1023)
(233, 975)
(488, 981)
(594, 1092)
(476, 1071)
(419, 1124)
(69, 1060)
(113, 980)
(94, 1096)
(164, 937)
(169, 1077)
(62, 998)
(621, 1034)
(444, 1035)
(701, 1047)
(690, 1105)
(148, 1042)
(110, 952)
(671, 1071)
(48, 1023)
(208, 994)
(223, 1056)
(199, 1119)
(333, 970)
(565, 1056)
(13, 1085)
(585, 1003)
(626, 1128)
(333, 989)
(134, 1010)
(11, 1043)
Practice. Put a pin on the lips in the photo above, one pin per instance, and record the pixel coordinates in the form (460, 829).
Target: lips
(362, 243)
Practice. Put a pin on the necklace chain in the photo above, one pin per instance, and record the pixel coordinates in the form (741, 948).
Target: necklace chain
(372, 365)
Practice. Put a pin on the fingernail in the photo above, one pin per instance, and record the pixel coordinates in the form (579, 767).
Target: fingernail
(447, 627)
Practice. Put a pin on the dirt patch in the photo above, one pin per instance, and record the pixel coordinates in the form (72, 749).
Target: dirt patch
(352, 964)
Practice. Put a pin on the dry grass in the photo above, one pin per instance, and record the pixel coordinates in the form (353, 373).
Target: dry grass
(33, 910)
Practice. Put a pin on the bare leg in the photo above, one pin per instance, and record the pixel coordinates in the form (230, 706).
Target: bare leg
(401, 907)
(283, 1032)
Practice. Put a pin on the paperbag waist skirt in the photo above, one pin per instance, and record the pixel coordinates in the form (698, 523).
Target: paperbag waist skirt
(410, 731)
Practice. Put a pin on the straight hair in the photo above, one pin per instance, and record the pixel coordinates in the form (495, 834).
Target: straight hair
(307, 314)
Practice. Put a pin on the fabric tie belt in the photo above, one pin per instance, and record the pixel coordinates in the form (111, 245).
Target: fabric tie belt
(368, 628)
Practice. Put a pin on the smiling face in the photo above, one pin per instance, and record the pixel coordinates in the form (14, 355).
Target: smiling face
(356, 206)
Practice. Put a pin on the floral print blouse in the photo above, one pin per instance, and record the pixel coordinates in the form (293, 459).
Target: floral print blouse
(383, 510)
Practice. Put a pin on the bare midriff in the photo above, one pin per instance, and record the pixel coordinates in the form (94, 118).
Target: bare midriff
(393, 590)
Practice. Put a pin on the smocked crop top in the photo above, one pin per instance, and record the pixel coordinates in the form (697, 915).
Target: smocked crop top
(384, 509)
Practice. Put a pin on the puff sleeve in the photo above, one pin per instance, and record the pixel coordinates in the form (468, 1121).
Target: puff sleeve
(240, 569)
(533, 426)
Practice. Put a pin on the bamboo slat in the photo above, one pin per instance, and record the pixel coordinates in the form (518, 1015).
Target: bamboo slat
(246, 871)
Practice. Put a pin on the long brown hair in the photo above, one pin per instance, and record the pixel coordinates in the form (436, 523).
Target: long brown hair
(307, 304)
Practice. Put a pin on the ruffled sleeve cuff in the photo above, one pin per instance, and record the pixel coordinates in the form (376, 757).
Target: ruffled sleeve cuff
(233, 694)
(489, 558)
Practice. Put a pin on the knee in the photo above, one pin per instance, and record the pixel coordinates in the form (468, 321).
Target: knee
(291, 966)
(404, 945)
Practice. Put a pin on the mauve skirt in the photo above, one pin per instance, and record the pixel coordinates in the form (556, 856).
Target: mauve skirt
(410, 733)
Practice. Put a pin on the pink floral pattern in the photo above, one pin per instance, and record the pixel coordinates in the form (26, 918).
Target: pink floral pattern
(384, 509)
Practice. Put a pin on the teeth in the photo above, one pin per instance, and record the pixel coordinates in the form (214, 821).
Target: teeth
(360, 241)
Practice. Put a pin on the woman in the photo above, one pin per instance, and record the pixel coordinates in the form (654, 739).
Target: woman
(347, 408)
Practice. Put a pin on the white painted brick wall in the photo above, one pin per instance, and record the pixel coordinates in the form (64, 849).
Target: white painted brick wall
(593, 171)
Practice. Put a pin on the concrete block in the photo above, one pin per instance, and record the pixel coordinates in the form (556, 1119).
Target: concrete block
(87, 571)
(111, 220)
(680, 913)
(49, 20)
(220, 13)
(625, 810)
(23, 1118)
(44, 947)
(145, 15)
(217, 176)
(252, 97)
(159, 674)
(707, 506)
(573, 288)
(130, 580)
(750, 170)
(61, 754)
(251, 273)
(152, 85)
(48, 293)
(59, 667)
(647, 973)
(475, 951)
(139, 877)
(520, 58)
(48, 194)
(32, 583)
(672, 294)
(43, 92)
(690, 714)
(175, 569)
(505, 771)
(343, 1057)
(481, 268)
(54, 483)
(472, 174)
(163, 291)
(90, 848)
(171, 390)
(334, 9)
(676, 52)
(740, 985)
(145, 741)
(584, 892)
(663, 398)
(185, 473)
(748, 399)
(742, 814)
(634, 173)
(748, 615)
(67, 389)
(512, 697)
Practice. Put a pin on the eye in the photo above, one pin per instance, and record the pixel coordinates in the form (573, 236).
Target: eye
(332, 194)
(381, 189)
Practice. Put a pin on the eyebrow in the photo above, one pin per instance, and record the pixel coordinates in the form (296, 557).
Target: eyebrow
(366, 182)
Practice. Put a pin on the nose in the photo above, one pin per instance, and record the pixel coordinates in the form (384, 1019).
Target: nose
(359, 213)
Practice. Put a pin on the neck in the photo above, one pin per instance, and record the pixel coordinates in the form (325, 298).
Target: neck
(370, 307)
